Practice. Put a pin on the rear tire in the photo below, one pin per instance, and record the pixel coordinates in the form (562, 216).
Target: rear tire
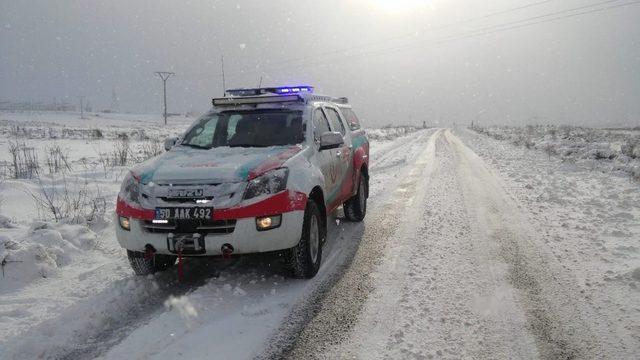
(143, 265)
(355, 209)
(303, 260)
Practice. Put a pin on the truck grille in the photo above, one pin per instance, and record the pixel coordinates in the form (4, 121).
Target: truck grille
(192, 226)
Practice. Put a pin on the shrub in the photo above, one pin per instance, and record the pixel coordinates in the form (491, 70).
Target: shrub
(97, 134)
(121, 151)
(74, 202)
(24, 161)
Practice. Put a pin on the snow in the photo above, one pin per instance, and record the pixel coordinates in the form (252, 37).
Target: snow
(487, 267)
(609, 150)
(74, 273)
(504, 239)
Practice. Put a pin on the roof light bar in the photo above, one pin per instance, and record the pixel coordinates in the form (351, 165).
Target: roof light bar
(271, 90)
(261, 99)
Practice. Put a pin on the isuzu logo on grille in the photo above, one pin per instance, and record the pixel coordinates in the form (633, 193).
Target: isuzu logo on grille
(186, 193)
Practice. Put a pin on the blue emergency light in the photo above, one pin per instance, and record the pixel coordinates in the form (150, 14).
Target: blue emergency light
(293, 89)
(281, 90)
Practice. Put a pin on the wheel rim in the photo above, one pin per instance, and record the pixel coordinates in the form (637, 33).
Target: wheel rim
(314, 239)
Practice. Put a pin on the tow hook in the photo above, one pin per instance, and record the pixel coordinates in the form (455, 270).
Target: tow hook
(227, 250)
(179, 247)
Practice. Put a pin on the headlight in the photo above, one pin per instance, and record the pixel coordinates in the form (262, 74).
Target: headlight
(130, 190)
(271, 182)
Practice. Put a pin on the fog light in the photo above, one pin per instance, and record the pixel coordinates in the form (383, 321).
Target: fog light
(124, 223)
(268, 222)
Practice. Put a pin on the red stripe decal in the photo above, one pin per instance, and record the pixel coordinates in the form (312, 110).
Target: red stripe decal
(279, 203)
(131, 211)
(274, 162)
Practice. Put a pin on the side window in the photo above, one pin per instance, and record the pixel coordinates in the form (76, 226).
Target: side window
(320, 124)
(231, 125)
(334, 120)
(352, 119)
(202, 135)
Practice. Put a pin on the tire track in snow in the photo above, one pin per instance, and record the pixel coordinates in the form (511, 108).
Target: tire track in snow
(98, 322)
(545, 290)
(437, 294)
(337, 308)
(95, 325)
(462, 277)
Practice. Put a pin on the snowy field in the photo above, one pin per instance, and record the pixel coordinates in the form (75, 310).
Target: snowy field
(607, 150)
(68, 284)
(476, 245)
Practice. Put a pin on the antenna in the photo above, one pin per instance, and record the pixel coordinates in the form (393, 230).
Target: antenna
(224, 83)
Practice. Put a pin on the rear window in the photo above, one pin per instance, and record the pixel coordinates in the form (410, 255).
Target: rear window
(352, 119)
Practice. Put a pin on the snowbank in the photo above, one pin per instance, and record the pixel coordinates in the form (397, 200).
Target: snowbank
(389, 133)
(41, 252)
(608, 150)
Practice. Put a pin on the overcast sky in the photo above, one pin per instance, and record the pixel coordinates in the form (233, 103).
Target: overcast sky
(402, 61)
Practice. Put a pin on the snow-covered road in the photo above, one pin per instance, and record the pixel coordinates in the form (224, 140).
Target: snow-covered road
(463, 254)
(230, 309)
(467, 274)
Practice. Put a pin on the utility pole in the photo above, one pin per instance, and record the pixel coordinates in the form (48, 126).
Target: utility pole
(81, 107)
(164, 75)
(115, 106)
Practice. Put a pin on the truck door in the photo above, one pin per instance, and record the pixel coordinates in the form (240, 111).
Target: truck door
(325, 158)
(343, 155)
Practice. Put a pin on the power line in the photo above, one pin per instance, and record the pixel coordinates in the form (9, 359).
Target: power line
(407, 35)
(473, 33)
(506, 28)
(523, 23)
(493, 29)
(548, 15)
(386, 40)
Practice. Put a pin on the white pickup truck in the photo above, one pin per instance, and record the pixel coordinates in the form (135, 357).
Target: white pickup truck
(260, 172)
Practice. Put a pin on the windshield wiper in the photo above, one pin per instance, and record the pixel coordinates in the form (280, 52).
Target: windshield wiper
(196, 146)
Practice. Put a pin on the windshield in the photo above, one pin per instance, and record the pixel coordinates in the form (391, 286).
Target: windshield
(257, 128)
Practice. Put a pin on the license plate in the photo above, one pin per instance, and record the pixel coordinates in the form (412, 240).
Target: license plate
(183, 213)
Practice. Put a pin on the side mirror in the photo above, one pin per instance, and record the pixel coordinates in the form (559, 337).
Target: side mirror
(169, 143)
(331, 140)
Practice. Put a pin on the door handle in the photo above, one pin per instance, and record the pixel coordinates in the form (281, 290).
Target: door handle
(338, 153)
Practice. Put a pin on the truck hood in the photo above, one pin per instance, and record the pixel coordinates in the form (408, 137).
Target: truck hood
(216, 165)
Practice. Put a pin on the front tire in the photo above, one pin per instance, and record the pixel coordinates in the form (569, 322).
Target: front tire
(144, 265)
(303, 260)
(355, 209)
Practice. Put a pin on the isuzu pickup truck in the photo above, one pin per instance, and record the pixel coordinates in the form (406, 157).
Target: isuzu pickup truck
(260, 172)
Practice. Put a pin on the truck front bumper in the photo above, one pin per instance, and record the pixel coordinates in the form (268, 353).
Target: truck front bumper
(245, 237)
